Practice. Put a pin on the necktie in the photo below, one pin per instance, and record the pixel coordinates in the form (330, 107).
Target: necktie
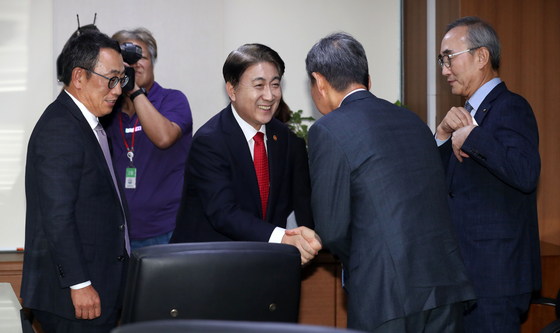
(468, 106)
(105, 147)
(261, 167)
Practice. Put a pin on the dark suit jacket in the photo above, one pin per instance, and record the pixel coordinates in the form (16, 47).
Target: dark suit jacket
(221, 199)
(74, 222)
(301, 188)
(379, 205)
(493, 198)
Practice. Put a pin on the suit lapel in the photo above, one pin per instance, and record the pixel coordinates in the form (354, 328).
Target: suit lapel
(237, 144)
(276, 145)
(486, 104)
(481, 113)
(91, 140)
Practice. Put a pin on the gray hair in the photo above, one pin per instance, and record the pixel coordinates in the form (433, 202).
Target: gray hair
(340, 59)
(142, 34)
(480, 34)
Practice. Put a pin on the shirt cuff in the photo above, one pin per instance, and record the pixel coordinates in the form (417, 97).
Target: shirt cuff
(276, 236)
(81, 285)
(440, 142)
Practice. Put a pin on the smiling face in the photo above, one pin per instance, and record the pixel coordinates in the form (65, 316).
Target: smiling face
(258, 94)
(143, 68)
(463, 74)
(94, 92)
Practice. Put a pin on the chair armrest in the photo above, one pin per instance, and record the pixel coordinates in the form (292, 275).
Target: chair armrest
(544, 301)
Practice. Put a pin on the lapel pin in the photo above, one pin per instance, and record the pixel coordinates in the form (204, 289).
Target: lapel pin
(275, 137)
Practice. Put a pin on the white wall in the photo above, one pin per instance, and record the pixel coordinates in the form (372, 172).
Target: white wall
(194, 37)
(26, 48)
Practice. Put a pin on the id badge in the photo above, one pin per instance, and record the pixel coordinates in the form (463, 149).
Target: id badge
(130, 180)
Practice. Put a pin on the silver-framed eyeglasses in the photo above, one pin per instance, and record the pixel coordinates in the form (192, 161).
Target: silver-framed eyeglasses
(446, 58)
(113, 81)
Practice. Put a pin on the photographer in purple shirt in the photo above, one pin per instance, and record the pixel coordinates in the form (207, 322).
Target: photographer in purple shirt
(150, 131)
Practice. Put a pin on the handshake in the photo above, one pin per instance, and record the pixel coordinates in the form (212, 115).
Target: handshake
(306, 240)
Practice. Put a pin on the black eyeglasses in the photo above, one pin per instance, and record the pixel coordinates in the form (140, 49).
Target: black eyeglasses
(446, 59)
(113, 81)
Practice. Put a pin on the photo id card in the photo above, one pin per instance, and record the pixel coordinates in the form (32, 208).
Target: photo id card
(130, 180)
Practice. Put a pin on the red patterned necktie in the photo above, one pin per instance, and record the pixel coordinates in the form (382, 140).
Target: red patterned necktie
(261, 167)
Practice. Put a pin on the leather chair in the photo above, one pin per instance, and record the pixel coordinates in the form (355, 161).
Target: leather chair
(251, 281)
(221, 326)
(553, 327)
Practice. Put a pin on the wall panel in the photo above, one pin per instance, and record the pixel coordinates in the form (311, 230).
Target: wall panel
(529, 36)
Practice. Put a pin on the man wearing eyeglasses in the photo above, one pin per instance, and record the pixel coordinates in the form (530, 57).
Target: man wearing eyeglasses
(491, 155)
(76, 242)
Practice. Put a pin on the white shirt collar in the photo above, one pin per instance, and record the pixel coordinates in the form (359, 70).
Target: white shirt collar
(248, 130)
(479, 95)
(90, 117)
(350, 93)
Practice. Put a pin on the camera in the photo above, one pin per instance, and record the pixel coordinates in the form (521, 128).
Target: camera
(131, 53)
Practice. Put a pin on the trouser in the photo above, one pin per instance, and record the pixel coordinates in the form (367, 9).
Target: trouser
(443, 319)
(497, 314)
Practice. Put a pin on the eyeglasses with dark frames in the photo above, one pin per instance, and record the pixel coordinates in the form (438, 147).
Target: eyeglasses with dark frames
(113, 81)
(446, 58)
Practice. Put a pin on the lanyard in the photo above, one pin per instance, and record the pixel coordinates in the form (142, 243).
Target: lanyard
(130, 150)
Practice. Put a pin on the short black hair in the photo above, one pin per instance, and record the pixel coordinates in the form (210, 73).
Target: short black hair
(341, 59)
(83, 51)
(246, 56)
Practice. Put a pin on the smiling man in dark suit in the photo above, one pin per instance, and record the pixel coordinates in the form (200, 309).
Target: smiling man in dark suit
(238, 174)
(490, 149)
(378, 199)
(75, 258)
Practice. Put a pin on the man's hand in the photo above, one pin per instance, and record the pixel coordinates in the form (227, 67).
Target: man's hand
(455, 119)
(306, 240)
(86, 302)
(457, 140)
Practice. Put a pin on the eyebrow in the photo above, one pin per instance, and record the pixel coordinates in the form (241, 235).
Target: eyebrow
(448, 51)
(260, 78)
(115, 71)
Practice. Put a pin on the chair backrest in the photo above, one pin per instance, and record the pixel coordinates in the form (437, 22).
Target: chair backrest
(251, 281)
(224, 326)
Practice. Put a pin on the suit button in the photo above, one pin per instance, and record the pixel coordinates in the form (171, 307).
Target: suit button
(451, 194)
(120, 258)
(121, 226)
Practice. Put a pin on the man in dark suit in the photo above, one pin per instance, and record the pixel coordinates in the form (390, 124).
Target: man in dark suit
(378, 199)
(75, 239)
(227, 194)
(490, 150)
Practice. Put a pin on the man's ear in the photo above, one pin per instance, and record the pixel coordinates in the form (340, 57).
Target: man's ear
(79, 76)
(321, 83)
(369, 82)
(230, 89)
(483, 57)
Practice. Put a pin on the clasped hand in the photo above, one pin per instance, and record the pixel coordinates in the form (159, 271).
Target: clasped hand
(306, 240)
(458, 123)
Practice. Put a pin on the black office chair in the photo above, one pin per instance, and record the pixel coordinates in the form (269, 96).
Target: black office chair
(222, 326)
(553, 327)
(250, 281)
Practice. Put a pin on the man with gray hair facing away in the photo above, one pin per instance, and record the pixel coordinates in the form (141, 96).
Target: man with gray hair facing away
(378, 198)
